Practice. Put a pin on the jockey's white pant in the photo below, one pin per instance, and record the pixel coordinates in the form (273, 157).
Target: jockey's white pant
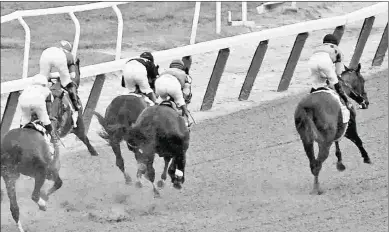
(55, 57)
(33, 100)
(322, 69)
(134, 74)
(168, 85)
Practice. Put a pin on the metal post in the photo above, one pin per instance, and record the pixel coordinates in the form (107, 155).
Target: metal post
(382, 48)
(218, 17)
(213, 83)
(195, 23)
(92, 100)
(9, 112)
(292, 61)
(244, 11)
(77, 35)
(362, 39)
(120, 32)
(255, 65)
(27, 42)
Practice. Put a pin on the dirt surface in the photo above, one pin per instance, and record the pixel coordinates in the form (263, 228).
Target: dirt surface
(246, 171)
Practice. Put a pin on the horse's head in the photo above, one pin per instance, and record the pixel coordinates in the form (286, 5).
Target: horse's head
(187, 60)
(354, 85)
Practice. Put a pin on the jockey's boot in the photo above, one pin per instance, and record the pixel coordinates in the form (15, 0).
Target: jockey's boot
(185, 114)
(49, 130)
(342, 95)
(152, 97)
(71, 88)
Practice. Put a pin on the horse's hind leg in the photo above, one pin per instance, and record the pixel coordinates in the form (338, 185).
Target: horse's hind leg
(80, 133)
(119, 160)
(40, 177)
(151, 175)
(10, 183)
(352, 135)
(161, 182)
(57, 183)
(338, 153)
(324, 150)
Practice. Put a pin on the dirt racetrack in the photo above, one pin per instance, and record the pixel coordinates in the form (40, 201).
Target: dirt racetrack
(246, 171)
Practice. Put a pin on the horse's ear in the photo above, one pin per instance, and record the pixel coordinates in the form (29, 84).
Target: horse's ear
(358, 68)
(345, 68)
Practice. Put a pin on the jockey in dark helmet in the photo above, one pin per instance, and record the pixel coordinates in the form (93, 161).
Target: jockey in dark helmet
(61, 58)
(141, 72)
(322, 63)
(176, 83)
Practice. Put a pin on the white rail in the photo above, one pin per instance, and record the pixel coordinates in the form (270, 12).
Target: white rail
(63, 10)
(214, 45)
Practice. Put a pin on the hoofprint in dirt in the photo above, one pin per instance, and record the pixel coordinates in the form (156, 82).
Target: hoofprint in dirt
(247, 171)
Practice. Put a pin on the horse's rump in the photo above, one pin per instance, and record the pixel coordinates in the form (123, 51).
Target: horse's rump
(318, 116)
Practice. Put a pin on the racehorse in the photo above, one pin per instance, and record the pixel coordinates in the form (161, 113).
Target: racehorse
(62, 110)
(25, 151)
(160, 129)
(319, 118)
(121, 113)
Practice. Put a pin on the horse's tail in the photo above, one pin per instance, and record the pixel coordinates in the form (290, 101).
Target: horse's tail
(110, 132)
(305, 125)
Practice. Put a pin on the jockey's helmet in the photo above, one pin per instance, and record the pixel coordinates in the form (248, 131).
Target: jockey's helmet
(40, 79)
(330, 38)
(67, 46)
(177, 64)
(147, 55)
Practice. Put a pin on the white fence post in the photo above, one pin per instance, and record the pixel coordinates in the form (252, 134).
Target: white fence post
(77, 35)
(27, 42)
(195, 23)
(244, 11)
(120, 32)
(218, 17)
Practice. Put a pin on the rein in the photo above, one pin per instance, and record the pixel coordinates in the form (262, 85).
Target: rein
(349, 86)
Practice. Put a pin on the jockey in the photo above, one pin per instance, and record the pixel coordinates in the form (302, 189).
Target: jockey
(174, 82)
(37, 98)
(141, 72)
(322, 63)
(62, 58)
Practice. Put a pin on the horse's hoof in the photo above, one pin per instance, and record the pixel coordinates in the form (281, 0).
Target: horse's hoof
(128, 179)
(367, 161)
(161, 184)
(94, 154)
(177, 186)
(316, 192)
(42, 207)
(138, 184)
(340, 167)
(157, 194)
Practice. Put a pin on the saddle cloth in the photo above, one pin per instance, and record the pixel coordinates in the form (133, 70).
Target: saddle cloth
(36, 125)
(151, 103)
(344, 110)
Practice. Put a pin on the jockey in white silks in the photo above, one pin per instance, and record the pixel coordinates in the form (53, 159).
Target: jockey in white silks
(175, 83)
(321, 65)
(37, 98)
(140, 72)
(62, 59)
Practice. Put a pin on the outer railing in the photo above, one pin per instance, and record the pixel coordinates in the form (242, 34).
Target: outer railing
(223, 45)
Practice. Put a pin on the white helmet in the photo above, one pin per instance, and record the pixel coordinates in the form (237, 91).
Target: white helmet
(40, 79)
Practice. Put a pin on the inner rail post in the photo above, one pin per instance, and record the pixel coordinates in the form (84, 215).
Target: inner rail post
(292, 61)
(252, 73)
(77, 35)
(214, 81)
(27, 43)
(120, 32)
(362, 39)
(92, 100)
(382, 48)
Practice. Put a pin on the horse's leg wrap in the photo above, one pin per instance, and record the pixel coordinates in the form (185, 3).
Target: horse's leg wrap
(352, 135)
(71, 88)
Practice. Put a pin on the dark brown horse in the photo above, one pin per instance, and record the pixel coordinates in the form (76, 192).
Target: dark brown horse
(61, 111)
(120, 114)
(160, 130)
(25, 151)
(319, 118)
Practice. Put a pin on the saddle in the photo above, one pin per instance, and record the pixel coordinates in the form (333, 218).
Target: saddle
(345, 111)
(36, 125)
